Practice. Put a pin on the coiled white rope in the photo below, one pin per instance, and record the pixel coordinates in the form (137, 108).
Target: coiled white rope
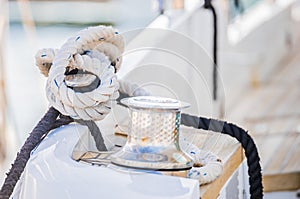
(97, 51)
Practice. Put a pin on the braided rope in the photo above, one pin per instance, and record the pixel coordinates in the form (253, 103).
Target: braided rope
(254, 170)
(96, 50)
(207, 166)
(44, 59)
(96, 133)
(131, 89)
(47, 123)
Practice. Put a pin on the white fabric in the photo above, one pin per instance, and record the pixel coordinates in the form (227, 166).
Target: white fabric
(52, 173)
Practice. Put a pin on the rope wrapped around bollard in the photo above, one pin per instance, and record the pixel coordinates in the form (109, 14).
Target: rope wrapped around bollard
(254, 171)
(82, 86)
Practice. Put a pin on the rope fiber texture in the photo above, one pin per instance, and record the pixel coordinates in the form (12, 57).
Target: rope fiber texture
(47, 123)
(81, 74)
(81, 86)
(254, 168)
(51, 120)
(96, 133)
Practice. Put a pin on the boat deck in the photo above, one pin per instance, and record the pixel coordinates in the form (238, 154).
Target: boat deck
(271, 113)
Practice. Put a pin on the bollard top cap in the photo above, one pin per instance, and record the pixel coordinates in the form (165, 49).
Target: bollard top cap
(154, 102)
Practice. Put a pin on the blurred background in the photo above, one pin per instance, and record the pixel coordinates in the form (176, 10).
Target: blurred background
(258, 76)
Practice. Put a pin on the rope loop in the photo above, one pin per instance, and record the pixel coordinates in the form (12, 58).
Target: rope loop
(81, 74)
(248, 144)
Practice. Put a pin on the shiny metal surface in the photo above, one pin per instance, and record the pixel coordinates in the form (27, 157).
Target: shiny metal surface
(153, 138)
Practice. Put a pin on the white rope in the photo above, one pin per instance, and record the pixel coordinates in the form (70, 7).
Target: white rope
(209, 165)
(44, 59)
(132, 89)
(96, 50)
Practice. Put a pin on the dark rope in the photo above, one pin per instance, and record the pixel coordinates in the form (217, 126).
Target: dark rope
(254, 168)
(51, 120)
(95, 131)
(63, 120)
(43, 127)
(239, 6)
(208, 5)
(92, 126)
(237, 3)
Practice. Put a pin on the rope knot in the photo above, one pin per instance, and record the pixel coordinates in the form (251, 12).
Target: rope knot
(81, 74)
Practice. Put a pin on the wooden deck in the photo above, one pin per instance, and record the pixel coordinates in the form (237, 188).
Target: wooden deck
(271, 112)
(225, 147)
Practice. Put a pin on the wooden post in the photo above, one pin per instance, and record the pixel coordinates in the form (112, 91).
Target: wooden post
(3, 25)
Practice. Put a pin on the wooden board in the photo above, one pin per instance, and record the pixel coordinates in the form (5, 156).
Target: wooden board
(231, 163)
(228, 150)
(271, 113)
(282, 182)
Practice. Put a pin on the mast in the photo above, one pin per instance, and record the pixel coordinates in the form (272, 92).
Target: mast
(3, 27)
